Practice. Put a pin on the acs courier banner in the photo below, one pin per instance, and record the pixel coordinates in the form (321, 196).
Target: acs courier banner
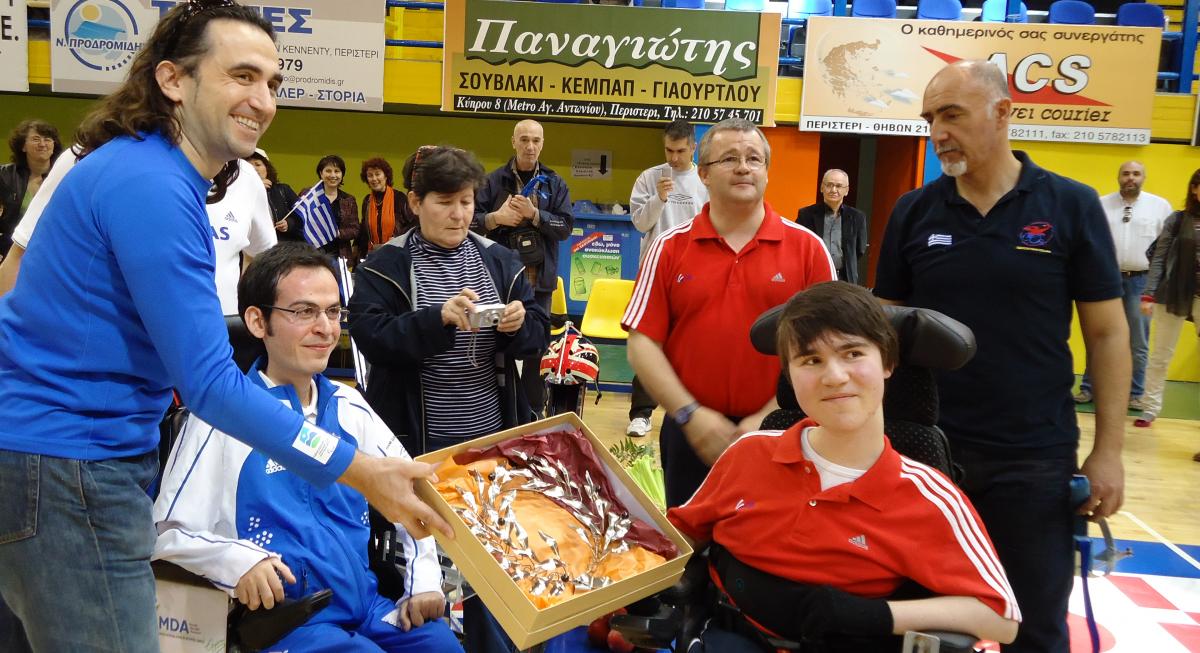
(609, 62)
(1077, 83)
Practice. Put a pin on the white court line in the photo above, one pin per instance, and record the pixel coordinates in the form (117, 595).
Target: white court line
(1155, 534)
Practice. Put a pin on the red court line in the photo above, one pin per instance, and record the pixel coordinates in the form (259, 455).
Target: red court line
(1140, 592)
(1187, 635)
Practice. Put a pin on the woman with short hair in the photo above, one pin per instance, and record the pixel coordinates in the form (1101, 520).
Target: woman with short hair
(331, 170)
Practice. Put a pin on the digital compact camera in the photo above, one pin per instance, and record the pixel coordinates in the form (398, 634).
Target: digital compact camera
(486, 315)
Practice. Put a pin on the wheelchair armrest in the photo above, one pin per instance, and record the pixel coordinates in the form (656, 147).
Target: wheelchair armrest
(691, 584)
(258, 629)
(655, 631)
(947, 642)
(654, 621)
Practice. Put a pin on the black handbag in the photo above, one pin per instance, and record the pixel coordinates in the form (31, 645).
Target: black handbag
(527, 243)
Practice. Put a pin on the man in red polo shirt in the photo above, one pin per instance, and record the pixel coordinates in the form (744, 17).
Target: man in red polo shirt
(700, 287)
(817, 524)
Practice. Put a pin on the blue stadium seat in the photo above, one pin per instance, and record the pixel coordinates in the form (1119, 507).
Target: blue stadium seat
(1141, 14)
(873, 8)
(745, 5)
(1072, 12)
(994, 12)
(806, 8)
(939, 9)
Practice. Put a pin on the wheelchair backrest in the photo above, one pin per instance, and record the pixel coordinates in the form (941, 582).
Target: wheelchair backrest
(928, 341)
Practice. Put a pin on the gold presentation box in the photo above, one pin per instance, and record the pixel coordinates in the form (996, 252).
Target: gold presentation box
(524, 622)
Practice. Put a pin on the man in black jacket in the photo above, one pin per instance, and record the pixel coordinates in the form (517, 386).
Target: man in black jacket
(842, 227)
(531, 224)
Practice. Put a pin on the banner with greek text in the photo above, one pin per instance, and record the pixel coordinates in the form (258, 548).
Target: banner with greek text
(330, 52)
(1075, 83)
(14, 46)
(609, 62)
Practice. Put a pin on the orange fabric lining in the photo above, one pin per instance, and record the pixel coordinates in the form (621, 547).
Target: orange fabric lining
(535, 513)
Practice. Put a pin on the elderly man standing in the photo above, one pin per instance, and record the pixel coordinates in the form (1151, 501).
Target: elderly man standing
(1006, 247)
(526, 207)
(841, 226)
(700, 287)
(1135, 218)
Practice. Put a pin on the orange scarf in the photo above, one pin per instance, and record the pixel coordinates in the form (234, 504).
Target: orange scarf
(381, 229)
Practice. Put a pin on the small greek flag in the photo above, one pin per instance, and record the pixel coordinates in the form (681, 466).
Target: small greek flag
(316, 214)
(940, 239)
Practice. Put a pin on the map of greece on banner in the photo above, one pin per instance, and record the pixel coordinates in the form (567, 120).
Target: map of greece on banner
(14, 46)
(609, 62)
(1077, 83)
(330, 51)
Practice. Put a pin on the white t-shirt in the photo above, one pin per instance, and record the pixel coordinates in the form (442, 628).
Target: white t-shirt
(241, 222)
(653, 216)
(1146, 217)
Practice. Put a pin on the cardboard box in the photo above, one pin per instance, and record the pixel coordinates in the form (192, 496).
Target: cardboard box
(525, 624)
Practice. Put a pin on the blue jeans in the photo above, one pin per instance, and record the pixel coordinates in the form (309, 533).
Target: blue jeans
(1025, 505)
(1139, 334)
(75, 544)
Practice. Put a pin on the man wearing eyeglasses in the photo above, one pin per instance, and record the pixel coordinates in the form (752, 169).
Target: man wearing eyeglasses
(235, 517)
(700, 287)
(1135, 218)
(841, 226)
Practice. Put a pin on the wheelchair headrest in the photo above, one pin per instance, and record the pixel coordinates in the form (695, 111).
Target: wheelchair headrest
(246, 348)
(927, 338)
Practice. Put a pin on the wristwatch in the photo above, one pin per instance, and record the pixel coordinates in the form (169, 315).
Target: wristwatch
(684, 415)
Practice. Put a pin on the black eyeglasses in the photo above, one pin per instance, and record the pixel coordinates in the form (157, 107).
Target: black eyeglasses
(308, 314)
(1128, 214)
(190, 10)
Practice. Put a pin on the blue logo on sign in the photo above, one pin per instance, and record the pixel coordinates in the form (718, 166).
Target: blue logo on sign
(1037, 234)
(100, 34)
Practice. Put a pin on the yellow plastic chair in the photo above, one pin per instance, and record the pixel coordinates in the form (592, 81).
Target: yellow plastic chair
(606, 305)
(558, 306)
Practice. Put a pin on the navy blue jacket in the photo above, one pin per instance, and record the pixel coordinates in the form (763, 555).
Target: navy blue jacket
(556, 217)
(396, 339)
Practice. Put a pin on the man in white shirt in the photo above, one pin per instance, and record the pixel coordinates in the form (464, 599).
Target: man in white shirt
(241, 226)
(664, 196)
(1135, 218)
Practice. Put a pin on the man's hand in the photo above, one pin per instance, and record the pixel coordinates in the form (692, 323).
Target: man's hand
(1106, 474)
(1147, 308)
(281, 226)
(457, 310)
(506, 215)
(709, 433)
(387, 484)
(665, 185)
(512, 318)
(522, 206)
(261, 586)
(419, 608)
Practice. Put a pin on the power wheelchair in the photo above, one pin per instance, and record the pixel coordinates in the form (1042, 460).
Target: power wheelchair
(928, 341)
(252, 630)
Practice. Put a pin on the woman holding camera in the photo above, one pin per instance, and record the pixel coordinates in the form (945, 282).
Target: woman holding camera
(443, 314)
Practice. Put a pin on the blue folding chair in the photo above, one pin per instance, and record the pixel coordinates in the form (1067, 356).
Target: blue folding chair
(939, 9)
(745, 5)
(995, 11)
(1072, 12)
(1141, 14)
(873, 8)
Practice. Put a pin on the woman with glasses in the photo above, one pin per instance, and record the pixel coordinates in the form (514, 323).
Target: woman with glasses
(1172, 295)
(34, 145)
